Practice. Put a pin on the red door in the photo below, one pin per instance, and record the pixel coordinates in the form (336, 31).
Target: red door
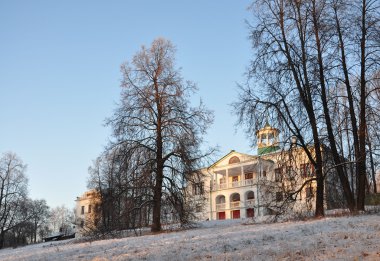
(250, 213)
(236, 214)
(221, 215)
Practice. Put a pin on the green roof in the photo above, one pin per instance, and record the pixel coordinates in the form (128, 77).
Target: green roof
(269, 149)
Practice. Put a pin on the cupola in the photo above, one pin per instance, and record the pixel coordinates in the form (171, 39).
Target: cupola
(267, 139)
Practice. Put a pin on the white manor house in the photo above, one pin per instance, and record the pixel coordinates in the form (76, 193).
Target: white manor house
(243, 186)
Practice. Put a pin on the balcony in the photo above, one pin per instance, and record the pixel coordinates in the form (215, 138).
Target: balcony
(248, 182)
(234, 184)
(249, 203)
(222, 186)
(220, 206)
(235, 204)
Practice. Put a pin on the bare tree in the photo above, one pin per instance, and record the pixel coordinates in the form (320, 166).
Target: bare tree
(373, 135)
(40, 214)
(156, 125)
(356, 24)
(124, 190)
(304, 50)
(61, 219)
(13, 194)
(283, 68)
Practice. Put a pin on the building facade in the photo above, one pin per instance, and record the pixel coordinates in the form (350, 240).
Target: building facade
(239, 185)
(85, 210)
(245, 186)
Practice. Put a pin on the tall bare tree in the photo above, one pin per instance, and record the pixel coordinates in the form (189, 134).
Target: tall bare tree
(303, 51)
(373, 135)
(356, 26)
(282, 66)
(155, 120)
(13, 193)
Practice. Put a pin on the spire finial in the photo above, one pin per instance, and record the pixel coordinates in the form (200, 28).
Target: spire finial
(267, 120)
(267, 125)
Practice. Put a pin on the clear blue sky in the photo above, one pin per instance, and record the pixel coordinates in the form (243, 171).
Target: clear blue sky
(60, 77)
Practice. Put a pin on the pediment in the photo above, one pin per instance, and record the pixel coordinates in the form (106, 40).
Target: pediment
(233, 158)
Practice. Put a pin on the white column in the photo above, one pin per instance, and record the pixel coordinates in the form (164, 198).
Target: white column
(257, 201)
(242, 178)
(214, 180)
(227, 179)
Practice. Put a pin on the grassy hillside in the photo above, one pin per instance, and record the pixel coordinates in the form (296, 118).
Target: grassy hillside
(340, 238)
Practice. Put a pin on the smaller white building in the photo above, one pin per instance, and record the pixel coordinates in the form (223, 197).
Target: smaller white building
(85, 209)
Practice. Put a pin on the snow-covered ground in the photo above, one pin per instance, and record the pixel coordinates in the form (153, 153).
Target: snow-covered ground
(343, 238)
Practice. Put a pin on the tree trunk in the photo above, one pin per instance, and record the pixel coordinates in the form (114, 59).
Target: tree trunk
(156, 222)
(362, 123)
(35, 232)
(319, 208)
(157, 194)
(2, 235)
(373, 172)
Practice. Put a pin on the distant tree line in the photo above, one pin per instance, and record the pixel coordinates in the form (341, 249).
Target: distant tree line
(24, 220)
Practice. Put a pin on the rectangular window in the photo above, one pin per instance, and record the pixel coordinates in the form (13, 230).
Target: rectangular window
(249, 175)
(311, 170)
(303, 170)
(279, 196)
(289, 173)
(198, 188)
(198, 208)
(307, 170)
(309, 192)
(82, 210)
(278, 174)
(89, 208)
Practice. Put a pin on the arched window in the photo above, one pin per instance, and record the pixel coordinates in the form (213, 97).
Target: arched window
(250, 195)
(235, 197)
(220, 199)
(233, 160)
